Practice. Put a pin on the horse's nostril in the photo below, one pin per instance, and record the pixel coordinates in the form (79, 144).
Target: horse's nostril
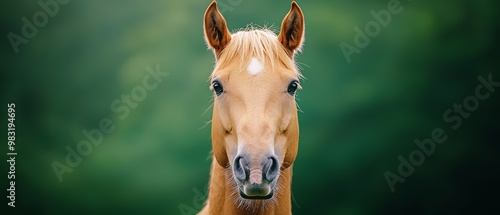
(239, 168)
(271, 168)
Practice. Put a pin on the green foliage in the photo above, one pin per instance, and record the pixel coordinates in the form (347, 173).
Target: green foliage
(356, 118)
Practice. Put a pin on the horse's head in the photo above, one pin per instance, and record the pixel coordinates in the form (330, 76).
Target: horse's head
(255, 128)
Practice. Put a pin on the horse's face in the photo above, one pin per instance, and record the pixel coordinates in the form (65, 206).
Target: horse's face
(255, 126)
(257, 116)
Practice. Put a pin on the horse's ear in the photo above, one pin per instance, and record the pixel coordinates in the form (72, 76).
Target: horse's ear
(292, 30)
(216, 33)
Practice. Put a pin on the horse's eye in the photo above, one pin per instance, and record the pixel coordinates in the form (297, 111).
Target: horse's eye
(217, 88)
(292, 88)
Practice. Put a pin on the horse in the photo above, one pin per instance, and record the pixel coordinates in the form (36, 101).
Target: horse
(255, 130)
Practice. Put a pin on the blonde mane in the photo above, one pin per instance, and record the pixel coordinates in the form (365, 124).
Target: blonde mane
(262, 44)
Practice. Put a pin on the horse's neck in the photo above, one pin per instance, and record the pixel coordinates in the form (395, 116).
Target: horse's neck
(221, 196)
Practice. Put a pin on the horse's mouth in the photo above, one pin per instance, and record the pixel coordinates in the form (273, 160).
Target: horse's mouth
(255, 191)
(256, 197)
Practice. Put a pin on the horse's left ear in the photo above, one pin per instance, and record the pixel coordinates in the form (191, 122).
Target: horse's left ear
(216, 32)
(292, 30)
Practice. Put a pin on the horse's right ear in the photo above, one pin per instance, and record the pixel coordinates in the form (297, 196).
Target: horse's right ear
(216, 33)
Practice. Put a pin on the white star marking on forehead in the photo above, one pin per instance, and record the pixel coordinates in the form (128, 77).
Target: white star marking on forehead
(254, 67)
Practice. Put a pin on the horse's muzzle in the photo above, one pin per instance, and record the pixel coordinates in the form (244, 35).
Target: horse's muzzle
(256, 180)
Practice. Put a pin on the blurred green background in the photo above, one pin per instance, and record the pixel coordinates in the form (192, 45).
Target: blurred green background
(357, 117)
